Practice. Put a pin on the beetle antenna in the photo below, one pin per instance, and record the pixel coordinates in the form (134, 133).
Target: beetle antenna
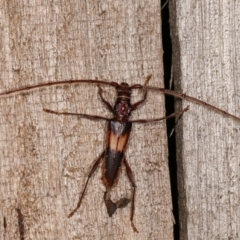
(148, 77)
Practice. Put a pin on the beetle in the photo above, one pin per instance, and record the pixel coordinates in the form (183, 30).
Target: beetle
(123, 100)
(118, 132)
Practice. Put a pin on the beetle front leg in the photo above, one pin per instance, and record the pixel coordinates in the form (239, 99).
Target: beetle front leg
(107, 104)
(139, 103)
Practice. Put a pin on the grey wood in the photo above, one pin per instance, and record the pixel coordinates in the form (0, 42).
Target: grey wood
(45, 158)
(206, 65)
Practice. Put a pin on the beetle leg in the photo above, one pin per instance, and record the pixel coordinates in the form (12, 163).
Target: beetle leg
(91, 117)
(131, 179)
(159, 119)
(107, 104)
(139, 103)
(94, 167)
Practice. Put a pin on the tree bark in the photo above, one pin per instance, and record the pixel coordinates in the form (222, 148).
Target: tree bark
(206, 65)
(45, 158)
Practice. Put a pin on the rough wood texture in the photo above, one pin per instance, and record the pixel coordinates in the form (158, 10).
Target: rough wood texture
(206, 65)
(45, 158)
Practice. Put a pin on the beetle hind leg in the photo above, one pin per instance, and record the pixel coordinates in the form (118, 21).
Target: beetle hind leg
(131, 179)
(94, 167)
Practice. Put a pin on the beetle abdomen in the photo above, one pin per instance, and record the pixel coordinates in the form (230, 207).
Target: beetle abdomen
(117, 138)
(111, 167)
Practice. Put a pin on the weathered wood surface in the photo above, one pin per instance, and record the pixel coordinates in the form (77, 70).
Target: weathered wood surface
(206, 65)
(44, 158)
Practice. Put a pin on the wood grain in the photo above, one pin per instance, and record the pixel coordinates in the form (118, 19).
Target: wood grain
(45, 158)
(206, 65)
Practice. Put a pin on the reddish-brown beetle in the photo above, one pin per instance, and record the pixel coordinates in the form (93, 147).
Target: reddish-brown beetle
(119, 128)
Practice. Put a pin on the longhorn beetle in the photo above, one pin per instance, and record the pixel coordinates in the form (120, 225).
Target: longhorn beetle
(119, 129)
(118, 132)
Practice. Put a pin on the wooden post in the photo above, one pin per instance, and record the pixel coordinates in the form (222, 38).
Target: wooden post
(205, 38)
(45, 158)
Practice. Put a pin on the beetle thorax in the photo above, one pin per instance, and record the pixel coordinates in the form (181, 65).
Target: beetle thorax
(122, 108)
